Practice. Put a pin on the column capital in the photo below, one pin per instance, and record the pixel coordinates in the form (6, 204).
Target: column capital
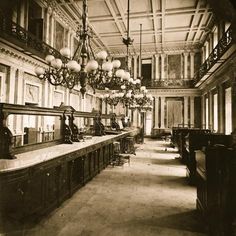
(186, 54)
(192, 54)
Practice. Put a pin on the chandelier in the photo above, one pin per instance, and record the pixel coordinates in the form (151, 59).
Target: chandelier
(113, 98)
(83, 68)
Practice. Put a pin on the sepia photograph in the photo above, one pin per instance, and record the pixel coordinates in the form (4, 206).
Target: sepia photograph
(117, 118)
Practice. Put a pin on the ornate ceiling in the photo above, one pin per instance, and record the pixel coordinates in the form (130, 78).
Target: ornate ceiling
(167, 25)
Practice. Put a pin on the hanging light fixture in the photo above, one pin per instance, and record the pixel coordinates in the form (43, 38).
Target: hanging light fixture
(113, 98)
(83, 67)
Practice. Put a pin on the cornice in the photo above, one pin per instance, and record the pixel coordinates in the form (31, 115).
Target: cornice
(167, 92)
(16, 57)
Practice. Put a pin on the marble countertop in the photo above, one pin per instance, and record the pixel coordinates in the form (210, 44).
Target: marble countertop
(31, 158)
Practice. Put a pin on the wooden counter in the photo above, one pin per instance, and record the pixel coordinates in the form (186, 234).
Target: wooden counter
(38, 181)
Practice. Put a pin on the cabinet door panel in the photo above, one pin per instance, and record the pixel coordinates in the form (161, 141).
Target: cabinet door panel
(76, 174)
(86, 168)
(34, 198)
(63, 182)
(51, 183)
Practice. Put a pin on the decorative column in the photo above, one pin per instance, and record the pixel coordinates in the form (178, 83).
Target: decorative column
(153, 68)
(162, 112)
(221, 105)
(163, 66)
(11, 94)
(47, 25)
(203, 54)
(186, 66)
(156, 114)
(157, 67)
(210, 122)
(72, 49)
(20, 85)
(12, 80)
(52, 23)
(135, 66)
(135, 118)
(234, 103)
(192, 123)
(23, 15)
(19, 100)
(186, 111)
(46, 93)
(192, 65)
(68, 41)
(203, 108)
(67, 97)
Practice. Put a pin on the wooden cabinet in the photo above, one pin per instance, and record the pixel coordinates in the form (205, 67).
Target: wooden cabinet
(76, 173)
(14, 187)
(35, 189)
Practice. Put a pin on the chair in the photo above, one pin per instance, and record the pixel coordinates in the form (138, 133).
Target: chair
(118, 159)
(129, 145)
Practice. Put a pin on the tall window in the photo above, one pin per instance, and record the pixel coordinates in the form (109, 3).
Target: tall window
(215, 112)
(35, 20)
(228, 111)
(207, 113)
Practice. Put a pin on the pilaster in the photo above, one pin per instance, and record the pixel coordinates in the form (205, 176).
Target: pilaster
(186, 110)
(162, 112)
(192, 65)
(163, 66)
(186, 65)
(156, 114)
(157, 67)
(192, 123)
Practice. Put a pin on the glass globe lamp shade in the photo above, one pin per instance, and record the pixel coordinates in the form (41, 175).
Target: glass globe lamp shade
(126, 75)
(39, 71)
(65, 52)
(120, 73)
(49, 58)
(107, 66)
(56, 63)
(91, 65)
(123, 87)
(116, 64)
(102, 55)
(142, 88)
(72, 65)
